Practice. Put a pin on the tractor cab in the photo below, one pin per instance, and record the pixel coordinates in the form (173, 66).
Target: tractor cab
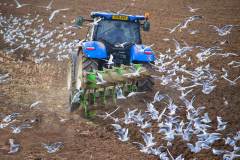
(118, 35)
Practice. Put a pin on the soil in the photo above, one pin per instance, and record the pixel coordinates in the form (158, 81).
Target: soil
(95, 139)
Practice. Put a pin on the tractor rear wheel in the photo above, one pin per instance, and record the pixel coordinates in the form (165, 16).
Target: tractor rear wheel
(77, 65)
(74, 78)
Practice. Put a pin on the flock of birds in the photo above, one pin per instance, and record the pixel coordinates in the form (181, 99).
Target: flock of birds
(195, 129)
(48, 7)
(9, 120)
(197, 125)
(31, 33)
(19, 34)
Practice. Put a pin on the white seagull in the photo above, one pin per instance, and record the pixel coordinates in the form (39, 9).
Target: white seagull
(20, 5)
(13, 147)
(221, 125)
(54, 147)
(192, 9)
(225, 30)
(49, 6)
(171, 30)
(55, 12)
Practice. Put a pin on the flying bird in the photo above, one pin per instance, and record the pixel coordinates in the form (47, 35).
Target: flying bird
(148, 139)
(119, 93)
(192, 9)
(54, 147)
(10, 117)
(234, 63)
(19, 128)
(221, 125)
(218, 152)
(134, 93)
(207, 87)
(49, 6)
(121, 132)
(188, 20)
(171, 30)
(55, 12)
(205, 118)
(100, 79)
(225, 30)
(232, 82)
(153, 111)
(180, 51)
(20, 5)
(129, 116)
(227, 54)
(158, 97)
(35, 104)
(4, 78)
(183, 95)
(13, 146)
(108, 114)
(110, 61)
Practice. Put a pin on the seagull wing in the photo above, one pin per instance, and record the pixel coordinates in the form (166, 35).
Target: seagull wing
(215, 27)
(18, 4)
(116, 126)
(50, 4)
(190, 8)
(64, 9)
(174, 29)
(166, 28)
(177, 44)
(53, 14)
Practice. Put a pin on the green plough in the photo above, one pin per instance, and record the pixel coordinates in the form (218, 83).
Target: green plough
(107, 84)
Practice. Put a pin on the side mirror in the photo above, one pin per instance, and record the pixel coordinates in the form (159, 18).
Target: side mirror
(146, 26)
(79, 21)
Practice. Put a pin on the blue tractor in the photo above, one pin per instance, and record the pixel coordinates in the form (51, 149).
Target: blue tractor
(111, 51)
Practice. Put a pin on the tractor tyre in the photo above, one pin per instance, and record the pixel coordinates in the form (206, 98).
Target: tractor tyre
(89, 64)
(74, 81)
(77, 66)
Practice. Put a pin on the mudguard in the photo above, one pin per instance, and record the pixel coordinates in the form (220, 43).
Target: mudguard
(141, 53)
(94, 49)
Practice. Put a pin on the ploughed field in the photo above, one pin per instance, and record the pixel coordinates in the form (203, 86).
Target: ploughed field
(196, 92)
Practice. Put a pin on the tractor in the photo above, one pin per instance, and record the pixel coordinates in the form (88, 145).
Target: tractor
(111, 59)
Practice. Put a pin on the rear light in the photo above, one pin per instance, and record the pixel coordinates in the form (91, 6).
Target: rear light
(90, 48)
(148, 52)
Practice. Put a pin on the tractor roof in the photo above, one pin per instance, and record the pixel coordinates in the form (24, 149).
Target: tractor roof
(116, 16)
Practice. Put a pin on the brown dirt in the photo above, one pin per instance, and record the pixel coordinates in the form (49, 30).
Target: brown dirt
(84, 139)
